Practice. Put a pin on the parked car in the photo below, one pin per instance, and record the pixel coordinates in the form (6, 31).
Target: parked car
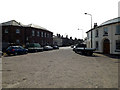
(72, 46)
(55, 47)
(81, 49)
(34, 47)
(15, 50)
(48, 48)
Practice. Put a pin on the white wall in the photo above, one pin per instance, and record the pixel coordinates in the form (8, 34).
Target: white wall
(111, 36)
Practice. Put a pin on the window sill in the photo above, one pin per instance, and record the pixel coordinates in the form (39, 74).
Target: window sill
(117, 50)
(117, 34)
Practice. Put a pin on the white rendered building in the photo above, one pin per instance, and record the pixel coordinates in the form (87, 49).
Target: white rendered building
(105, 37)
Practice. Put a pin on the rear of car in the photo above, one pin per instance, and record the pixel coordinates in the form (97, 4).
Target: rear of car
(15, 50)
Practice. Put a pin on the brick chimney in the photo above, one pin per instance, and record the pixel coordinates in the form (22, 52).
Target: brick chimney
(95, 25)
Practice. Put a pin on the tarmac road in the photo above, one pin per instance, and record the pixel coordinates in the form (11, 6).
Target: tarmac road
(59, 69)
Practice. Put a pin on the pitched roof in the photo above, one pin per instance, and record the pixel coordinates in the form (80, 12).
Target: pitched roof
(36, 26)
(15, 23)
(12, 22)
(111, 21)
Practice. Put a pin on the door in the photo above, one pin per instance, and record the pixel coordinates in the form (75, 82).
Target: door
(106, 46)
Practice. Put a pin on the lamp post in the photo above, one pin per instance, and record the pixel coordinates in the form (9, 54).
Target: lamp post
(91, 26)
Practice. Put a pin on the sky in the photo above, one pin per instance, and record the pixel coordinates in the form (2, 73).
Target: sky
(60, 16)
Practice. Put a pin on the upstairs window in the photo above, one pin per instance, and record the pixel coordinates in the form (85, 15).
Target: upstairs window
(96, 33)
(48, 35)
(105, 31)
(17, 31)
(6, 30)
(88, 35)
(38, 33)
(33, 33)
(117, 29)
(41, 34)
(45, 34)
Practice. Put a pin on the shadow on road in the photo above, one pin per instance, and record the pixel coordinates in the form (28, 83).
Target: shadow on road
(112, 56)
(89, 55)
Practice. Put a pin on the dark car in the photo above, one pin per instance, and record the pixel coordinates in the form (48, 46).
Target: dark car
(55, 47)
(34, 47)
(15, 50)
(46, 48)
(81, 49)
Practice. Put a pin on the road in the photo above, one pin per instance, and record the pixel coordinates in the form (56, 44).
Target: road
(59, 69)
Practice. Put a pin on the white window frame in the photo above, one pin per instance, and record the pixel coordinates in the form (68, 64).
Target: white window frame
(17, 31)
(6, 30)
(33, 33)
(45, 34)
(105, 31)
(38, 33)
(42, 34)
(117, 29)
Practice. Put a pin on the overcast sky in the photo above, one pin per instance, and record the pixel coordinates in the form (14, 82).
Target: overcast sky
(59, 16)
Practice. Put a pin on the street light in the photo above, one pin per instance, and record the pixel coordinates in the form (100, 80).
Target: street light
(91, 26)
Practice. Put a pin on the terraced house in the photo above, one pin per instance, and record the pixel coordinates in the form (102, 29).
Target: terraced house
(105, 37)
(16, 33)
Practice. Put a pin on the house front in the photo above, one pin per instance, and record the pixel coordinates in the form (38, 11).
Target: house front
(15, 33)
(105, 37)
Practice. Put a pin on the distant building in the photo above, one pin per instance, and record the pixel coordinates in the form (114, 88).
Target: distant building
(65, 41)
(105, 37)
(57, 40)
(16, 33)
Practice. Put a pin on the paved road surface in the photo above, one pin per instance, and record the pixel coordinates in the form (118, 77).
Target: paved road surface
(59, 69)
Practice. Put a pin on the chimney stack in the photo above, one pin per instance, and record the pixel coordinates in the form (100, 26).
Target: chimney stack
(95, 25)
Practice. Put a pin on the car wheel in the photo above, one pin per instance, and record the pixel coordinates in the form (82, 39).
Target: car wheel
(89, 53)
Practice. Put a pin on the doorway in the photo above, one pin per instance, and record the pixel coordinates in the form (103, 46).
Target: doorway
(106, 46)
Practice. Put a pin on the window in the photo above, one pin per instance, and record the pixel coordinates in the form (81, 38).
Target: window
(117, 29)
(17, 41)
(97, 45)
(6, 30)
(105, 31)
(48, 35)
(33, 33)
(17, 31)
(88, 35)
(117, 44)
(96, 33)
(38, 33)
(45, 34)
(27, 38)
(41, 34)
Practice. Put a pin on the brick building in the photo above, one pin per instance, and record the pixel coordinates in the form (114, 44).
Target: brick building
(16, 33)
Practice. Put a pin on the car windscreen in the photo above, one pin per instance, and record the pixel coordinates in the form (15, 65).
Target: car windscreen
(37, 45)
(34, 45)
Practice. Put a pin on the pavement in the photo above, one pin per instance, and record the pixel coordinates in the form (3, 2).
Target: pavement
(59, 69)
